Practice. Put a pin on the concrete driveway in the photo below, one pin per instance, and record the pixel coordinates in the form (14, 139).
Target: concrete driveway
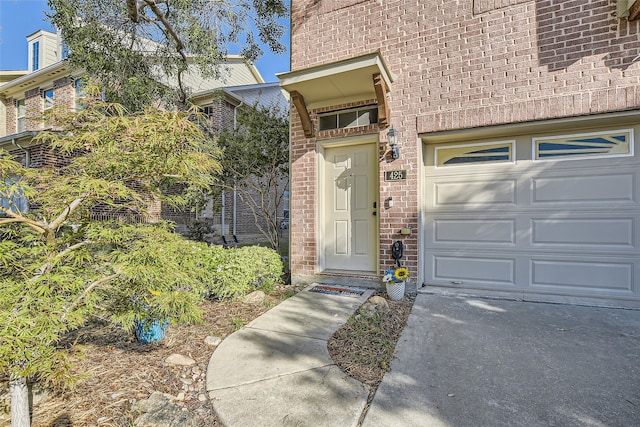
(465, 361)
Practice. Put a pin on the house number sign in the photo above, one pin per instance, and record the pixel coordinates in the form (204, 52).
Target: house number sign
(399, 175)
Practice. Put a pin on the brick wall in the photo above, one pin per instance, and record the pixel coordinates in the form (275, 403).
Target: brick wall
(64, 93)
(11, 116)
(34, 106)
(462, 64)
(220, 114)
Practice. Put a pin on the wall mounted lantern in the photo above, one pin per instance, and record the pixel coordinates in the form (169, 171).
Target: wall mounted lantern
(392, 139)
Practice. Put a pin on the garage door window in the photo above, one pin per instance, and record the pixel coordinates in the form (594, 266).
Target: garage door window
(493, 152)
(600, 144)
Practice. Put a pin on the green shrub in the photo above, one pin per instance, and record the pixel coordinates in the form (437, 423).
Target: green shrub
(198, 229)
(238, 271)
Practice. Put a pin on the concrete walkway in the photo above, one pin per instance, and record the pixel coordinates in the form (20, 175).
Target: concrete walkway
(461, 361)
(276, 371)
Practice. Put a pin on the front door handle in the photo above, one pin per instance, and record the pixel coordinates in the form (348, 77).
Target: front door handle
(375, 213)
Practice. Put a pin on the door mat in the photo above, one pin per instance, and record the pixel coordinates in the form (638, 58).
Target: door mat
(326, 288)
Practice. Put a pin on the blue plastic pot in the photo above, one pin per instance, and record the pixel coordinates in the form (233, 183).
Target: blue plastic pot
(147, 333)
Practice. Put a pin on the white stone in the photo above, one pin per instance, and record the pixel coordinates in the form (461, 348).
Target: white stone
(213, 341)
(376, 304)
(255, 298)
(179, 359)
(378, 300)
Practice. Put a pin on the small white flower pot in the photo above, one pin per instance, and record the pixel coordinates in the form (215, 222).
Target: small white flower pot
(395, 290)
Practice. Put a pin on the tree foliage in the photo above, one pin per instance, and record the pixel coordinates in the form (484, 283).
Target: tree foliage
(58, 267)
(141, 49)
(256, 165)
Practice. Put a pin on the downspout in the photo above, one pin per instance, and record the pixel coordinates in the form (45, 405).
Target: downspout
(222, 217)
(235, 194)
(235, 204)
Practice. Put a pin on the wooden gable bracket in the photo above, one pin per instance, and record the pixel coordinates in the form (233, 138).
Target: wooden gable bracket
(381, 95)
(629, 9)
(634, 11)
(301, 108)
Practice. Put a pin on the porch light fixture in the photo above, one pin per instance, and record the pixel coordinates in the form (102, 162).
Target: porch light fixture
(392, 139)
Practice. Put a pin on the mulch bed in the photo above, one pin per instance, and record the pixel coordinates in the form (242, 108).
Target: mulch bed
(118, 371)
(363, 347)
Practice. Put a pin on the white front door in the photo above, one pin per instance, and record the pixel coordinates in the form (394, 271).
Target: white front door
(351, 208)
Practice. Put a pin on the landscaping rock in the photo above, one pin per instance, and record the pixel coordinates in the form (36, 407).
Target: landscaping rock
(376, 303)
(179, 359)
(213, 341)
(255, 298)
(159, 411)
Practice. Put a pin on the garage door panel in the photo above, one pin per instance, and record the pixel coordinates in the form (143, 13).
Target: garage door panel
(603, 233)
(454, 269)
(456, 193)
(470, 231)
(586, 276)
(596, 188)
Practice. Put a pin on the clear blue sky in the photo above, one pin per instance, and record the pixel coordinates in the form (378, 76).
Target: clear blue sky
(19, 18)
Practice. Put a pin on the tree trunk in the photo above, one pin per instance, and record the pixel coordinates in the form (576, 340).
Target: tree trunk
(19, 393)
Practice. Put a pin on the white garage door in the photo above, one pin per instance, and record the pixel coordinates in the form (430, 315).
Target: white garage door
(562, 222)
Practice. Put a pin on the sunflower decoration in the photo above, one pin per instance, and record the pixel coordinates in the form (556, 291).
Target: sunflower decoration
(401, 274)
(396, 276)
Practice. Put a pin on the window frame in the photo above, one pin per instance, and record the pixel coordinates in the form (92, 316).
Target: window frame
(511, 153)
(79, 93)
(21, 121)
(35, 56)
(358, 111)
(49, 101)
(536, 141)
(17, 203)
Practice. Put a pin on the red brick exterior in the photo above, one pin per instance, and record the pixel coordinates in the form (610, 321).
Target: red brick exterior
(34, 106)
(11, 116)
(64, 93)
(462, 64)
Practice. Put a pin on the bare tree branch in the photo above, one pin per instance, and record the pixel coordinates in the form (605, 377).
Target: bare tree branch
(67, 211)
(19, 218)
(90, 288)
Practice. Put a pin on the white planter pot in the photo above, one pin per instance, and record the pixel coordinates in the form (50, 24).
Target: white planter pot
(395, 290)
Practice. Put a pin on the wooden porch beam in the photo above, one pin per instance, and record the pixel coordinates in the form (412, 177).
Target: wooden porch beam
(381, 95)
(634, 11)
(301, 108)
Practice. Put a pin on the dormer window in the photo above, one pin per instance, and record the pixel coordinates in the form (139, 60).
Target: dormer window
(35, 56)
(44, 49)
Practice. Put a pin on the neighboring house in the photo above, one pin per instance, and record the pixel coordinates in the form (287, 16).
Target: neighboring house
(518, 166)
(49, 81)
(228, 215)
